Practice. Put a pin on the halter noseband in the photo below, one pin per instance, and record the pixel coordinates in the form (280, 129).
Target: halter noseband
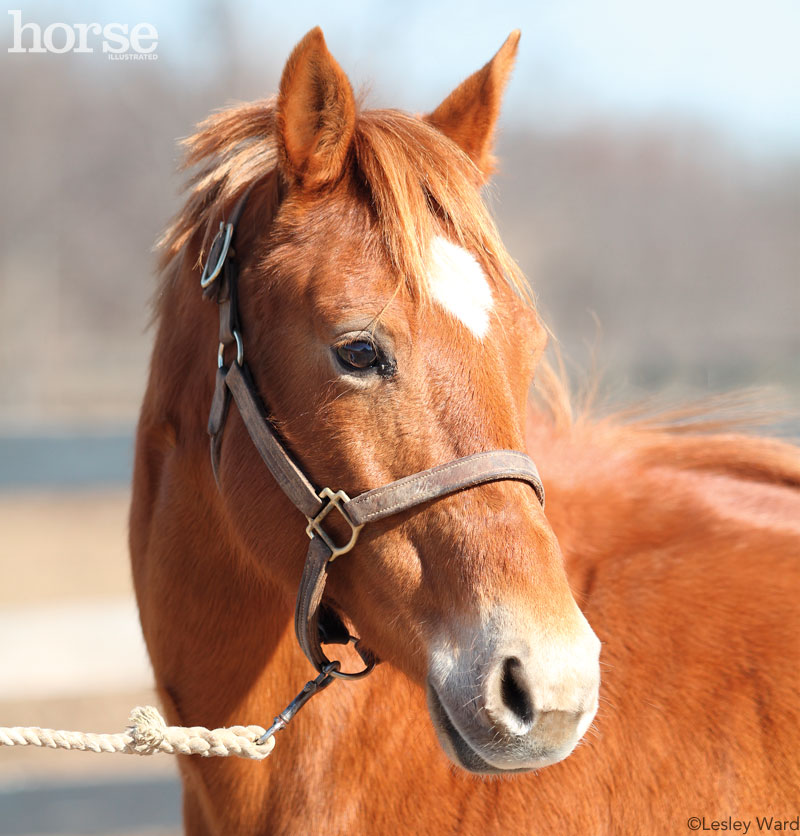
(313, 622)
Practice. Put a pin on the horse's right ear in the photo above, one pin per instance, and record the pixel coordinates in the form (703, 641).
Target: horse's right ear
(316, 114)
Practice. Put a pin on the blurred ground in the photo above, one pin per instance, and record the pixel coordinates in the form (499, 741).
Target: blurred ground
(72, 657)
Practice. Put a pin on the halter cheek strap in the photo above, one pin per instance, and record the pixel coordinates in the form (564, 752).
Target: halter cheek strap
(233, 379)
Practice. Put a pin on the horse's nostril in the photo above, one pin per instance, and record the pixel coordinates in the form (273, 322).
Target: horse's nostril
(514, 691)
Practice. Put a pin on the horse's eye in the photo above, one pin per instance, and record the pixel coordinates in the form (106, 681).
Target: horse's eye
(358, 354)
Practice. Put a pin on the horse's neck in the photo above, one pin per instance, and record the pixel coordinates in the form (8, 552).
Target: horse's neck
(213, 623)
(611, 491)
(602, 499)
(589, 489)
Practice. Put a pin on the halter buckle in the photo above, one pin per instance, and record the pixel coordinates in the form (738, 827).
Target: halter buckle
(335, 500)
(222, 240)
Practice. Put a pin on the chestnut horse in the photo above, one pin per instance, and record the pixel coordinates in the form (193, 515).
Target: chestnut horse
(388, 331)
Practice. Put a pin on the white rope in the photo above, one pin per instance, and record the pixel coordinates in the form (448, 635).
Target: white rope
(147, 734)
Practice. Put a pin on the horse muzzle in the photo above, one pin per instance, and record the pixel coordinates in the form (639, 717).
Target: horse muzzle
(506, 705)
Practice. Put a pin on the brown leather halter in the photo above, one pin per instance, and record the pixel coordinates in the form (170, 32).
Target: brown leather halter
(315, 624)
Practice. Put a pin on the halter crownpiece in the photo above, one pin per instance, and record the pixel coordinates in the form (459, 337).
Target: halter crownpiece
(220, 281)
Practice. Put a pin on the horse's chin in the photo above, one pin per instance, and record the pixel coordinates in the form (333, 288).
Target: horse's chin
(456, 746)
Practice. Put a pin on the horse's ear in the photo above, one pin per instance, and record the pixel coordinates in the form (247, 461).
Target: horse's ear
(316, 114)
(469, 114)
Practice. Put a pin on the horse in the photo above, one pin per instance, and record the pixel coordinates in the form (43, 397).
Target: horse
(387, 333)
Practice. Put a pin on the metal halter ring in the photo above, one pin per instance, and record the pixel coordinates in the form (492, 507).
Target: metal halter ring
(225, 234)
(239, 351)
(369, 664)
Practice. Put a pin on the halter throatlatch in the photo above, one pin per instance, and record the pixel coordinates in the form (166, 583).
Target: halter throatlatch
(313, 622)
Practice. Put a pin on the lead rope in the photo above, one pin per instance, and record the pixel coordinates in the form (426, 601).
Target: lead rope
(147, 734)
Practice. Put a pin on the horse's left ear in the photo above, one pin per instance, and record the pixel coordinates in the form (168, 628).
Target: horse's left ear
(316, 114)
(469, 114)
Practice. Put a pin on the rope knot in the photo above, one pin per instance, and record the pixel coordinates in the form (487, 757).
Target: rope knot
(147, 729)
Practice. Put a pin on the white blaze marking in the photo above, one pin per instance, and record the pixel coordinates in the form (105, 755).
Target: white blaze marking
(459, 285)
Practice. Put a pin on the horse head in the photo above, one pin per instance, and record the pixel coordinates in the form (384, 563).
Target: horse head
(388, 331)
